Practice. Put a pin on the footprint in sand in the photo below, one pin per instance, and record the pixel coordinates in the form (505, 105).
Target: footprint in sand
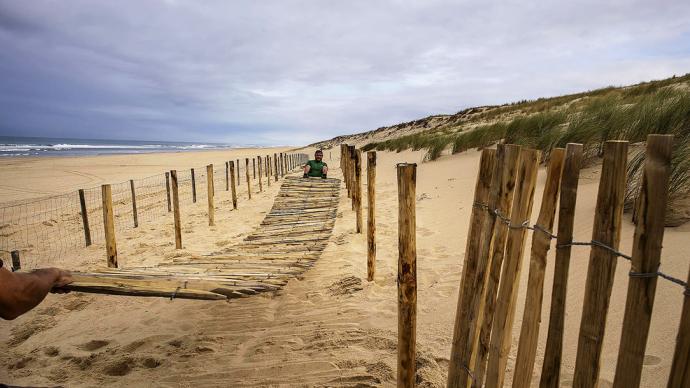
(93, 345)
(650, 360)
(23, 333)
(119, 367)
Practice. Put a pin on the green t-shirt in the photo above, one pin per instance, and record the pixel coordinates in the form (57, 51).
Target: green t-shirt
(316, 168)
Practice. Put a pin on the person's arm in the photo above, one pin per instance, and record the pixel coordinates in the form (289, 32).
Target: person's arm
(307, 168)
(20, 292)
(325, 169)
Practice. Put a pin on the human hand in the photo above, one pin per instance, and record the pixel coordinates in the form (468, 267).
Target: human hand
(62, 279)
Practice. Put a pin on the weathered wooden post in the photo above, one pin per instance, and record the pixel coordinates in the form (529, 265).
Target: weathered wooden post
(135, 216)
(541, 243)
(210, 190)
(680, 368)
(253, 168)
(193, 187)
(468, 318)
(239, 179)
(261, 186)
(501, 334)
(477, 218)
(249, 185)
(280, 164)
(227, 177)
(358, 190)
(176, 210)
(407, 274)
(167, 189)
(268, 170)
(602, 263)
(16, 261)
(232, 185)
(109, 226)
(371, 215)
(550, 375)
(275, 162)
(84, 217)
(646, 257)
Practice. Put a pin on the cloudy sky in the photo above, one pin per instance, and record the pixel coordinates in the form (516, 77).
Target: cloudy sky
(290, 72)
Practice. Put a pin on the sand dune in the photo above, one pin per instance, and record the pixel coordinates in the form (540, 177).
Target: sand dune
(328, 328)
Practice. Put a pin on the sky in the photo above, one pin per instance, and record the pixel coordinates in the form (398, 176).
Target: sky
(293, 72)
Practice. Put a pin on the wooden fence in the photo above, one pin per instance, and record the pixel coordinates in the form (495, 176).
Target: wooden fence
(499, 225)
(46, 230)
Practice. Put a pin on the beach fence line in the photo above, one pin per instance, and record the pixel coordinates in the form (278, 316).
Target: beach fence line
(499, 227)
(48, 231)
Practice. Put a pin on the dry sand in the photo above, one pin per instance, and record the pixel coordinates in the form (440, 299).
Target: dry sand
(330, 327)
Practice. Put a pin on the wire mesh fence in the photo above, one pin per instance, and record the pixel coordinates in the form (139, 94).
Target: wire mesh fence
(49, 231)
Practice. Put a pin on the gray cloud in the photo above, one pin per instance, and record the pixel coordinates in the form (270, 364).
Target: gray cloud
(296, 71)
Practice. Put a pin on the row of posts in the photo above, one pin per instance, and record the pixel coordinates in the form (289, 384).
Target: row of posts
(270, 168)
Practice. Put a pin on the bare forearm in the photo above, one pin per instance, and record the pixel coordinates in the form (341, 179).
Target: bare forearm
(23, 291)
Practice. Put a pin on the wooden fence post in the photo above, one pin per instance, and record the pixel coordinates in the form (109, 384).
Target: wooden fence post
(358, 190)
(167, 189)
(646, 256)
(193, 187)
(496, 255)
(210, 189)
(253, 168)
(481, 194)
(282, 173)
(268, 170)
(470, 298)
(550, 375)
(239, 179)
(371, 215)
(261, 186)
(85, 217)
(176, 210)
(135, 216)
(109, 226)
(541, 243)
(602, 263)
(227, 177)
(249, 185)
(407, 275)
(232, 185)
(680, 368)
(16, 261)
(275, 163)
(502, 332)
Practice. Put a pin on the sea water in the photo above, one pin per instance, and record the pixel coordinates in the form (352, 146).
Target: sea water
(44, 146)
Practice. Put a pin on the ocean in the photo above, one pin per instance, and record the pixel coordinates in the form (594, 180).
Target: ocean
(43, 146)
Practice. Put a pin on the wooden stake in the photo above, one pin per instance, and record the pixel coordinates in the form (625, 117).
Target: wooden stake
(602, 263)
(680, 368)
(253, 168)
(85, 217)
(249, 185)
(358, 190)
(261, 186)
(407, 275)
(239, 180)
(275, 162)
(487, 307)
(193, 187)
(232, 185)
(282, 165)
(109, 226)
(510, 277)
(16, 261)
(134, 204)
(176, 210)
(471, 292)
(646, 256)
(550, 375)
(268, 170)
(227, 177)
(541, 242)
(167, 189)
(371, 215)
(210, 190)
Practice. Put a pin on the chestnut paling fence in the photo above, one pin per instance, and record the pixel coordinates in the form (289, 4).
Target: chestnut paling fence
(499, 226)
(49, 231)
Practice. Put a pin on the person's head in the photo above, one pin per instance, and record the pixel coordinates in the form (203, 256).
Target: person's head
(318, 155)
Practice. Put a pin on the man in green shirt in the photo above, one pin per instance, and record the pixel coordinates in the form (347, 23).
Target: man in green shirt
(316, 167)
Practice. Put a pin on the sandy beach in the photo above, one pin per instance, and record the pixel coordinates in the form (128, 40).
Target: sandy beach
(329, 327)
